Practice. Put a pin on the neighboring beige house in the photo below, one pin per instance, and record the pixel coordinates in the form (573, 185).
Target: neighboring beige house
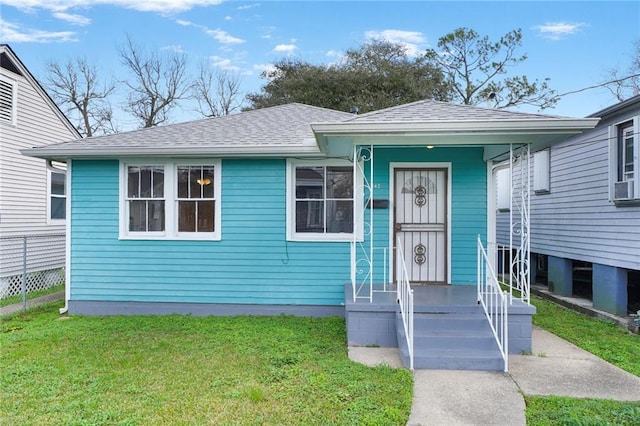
(32, 191)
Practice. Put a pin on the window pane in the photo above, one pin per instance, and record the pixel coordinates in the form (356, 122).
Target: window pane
(339, 216)
(156, 216)
(137, 216)
(183, 182)
(57, 183)
(186, 216)
(339, 182)
(206, 215)
(195, 179)
(133, 182)
(158, 182)
(207, 182)
(310, 216)
(145, 182)
(310, 182)
(58, 210)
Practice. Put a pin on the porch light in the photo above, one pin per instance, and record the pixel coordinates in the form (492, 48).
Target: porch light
(429, 146)
(204, 182)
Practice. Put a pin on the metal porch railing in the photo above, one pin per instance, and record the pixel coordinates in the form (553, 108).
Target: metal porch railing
(405, 299)
(494, 301)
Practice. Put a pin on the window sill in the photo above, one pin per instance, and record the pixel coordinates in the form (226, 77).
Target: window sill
(170, 238)
(322, 238)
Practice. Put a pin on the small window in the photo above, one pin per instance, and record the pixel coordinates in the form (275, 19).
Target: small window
(321, 201)
(503, 190)
(8, 101)
(624, 150)
(541, 170)
(57, 196)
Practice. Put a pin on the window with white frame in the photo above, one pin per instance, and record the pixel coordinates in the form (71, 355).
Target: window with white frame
(57, 196)
(8, 97)
(321, 200)
(173, 200)
(624, 149)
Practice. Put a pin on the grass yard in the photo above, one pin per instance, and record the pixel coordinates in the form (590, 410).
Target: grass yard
(602, 338)
(190, 370)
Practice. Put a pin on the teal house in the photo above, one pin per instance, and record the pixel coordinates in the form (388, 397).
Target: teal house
(294, 209)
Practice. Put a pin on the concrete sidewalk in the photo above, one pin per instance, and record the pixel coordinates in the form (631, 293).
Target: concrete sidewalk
(19, 307)
(555, 367)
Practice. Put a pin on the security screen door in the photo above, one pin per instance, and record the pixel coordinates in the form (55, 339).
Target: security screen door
(420, 222)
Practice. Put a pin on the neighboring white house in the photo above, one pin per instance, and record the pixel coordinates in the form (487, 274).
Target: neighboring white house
(32, 192)
(585, 211)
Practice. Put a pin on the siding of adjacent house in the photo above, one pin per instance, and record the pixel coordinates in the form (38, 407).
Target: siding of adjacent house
(253, 263)
(23, 180)
(576, 220)
(468, 204)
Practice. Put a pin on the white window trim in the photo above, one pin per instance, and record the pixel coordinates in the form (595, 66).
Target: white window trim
(613, 160)
(51, 221)
(171, 203)
(292, 235)
(542, 171)
(14, 100)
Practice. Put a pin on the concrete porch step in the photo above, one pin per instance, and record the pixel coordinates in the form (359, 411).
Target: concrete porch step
(451, 341)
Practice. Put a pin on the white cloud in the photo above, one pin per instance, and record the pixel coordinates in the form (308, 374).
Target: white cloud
(558, 30)
(411, 40)
(12, 33)
(160, 6)
(285, 48)
(176, 48)
(73, 19)
(223, 63)
(248, 6)
(265, 68)
(224, 37)
(220, 35)
(228, 18)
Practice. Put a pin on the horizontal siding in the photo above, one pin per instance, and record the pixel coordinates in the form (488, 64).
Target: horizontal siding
(253, 263)
(576, 220)
(23, 180)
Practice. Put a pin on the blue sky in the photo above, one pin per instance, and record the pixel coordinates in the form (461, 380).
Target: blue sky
(571, 42)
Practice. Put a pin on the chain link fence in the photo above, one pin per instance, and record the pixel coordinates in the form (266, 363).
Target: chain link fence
(31, 263)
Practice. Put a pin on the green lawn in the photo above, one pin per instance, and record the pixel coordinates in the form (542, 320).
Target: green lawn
(190, 370)
(602, 338)
(31, 295)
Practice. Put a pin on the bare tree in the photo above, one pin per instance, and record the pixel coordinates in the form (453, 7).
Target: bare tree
(76, 86)
(626, 83)
(158, 83)
(216, 91)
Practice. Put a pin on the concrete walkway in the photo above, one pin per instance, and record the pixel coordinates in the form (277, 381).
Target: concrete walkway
(555, 367)
(19, 307)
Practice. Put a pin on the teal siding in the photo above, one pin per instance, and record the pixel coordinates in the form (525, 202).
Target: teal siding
(468, 202)
(252, 264)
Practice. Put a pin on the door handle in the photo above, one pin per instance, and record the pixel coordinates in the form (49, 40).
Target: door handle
(398, 227)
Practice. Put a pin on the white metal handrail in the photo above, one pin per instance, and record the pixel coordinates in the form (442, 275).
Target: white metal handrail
(494, 301)
(405, 299)
(508, 267)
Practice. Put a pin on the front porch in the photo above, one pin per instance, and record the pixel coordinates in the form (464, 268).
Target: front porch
(451, 330)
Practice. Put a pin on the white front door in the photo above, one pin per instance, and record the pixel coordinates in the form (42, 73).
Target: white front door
(420, 222)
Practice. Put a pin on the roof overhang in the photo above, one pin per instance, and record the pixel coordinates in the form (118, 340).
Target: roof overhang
(308, 149)
(496, 136)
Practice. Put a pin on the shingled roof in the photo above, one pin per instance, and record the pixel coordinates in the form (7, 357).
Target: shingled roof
(429, 110)
(282, 129)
